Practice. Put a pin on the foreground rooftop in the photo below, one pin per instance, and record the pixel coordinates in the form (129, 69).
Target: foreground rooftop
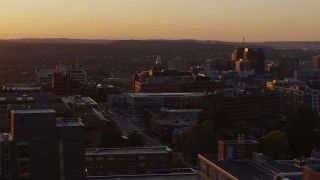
(132, 150)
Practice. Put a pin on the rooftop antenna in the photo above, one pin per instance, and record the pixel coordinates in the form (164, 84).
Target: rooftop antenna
(243, 41)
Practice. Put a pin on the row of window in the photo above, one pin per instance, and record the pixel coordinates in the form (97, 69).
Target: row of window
(111, 158)
(140, 164)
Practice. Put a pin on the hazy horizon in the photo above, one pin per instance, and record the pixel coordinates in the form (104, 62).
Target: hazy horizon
(103, 39)
(229, 21)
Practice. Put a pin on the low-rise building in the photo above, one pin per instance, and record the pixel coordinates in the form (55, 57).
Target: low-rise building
(240, 160)
(243, 105)
(168, 100)
(127, 161)
(78, 101)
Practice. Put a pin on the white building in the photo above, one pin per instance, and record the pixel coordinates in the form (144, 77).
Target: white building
(44, 75)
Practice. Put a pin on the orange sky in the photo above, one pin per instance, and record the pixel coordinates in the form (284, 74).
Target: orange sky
(226, 20)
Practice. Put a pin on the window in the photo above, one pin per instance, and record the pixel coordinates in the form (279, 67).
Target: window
(120, 158)
(23, 168)
(131, 157)
(141, 164)
(99, 158)
(142, 157)
(61, 152)
(110, 158)
(99, 165)
(88, 158)
(23, 150)
(153, 164)
(163, 164)
(22, 120)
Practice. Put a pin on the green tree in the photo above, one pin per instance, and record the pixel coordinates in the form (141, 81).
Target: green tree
(199, 138)
(301, 128)
(135, 140)
(275, 145)
(111, 138)
(241, 127)
(179, 163)
(221, 119)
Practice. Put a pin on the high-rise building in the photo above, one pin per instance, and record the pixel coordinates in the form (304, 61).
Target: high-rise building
(287, 66)
(40, 146)
(237, 54)
(316, 62)
(256, 57)
(243, 65)
(252, 54)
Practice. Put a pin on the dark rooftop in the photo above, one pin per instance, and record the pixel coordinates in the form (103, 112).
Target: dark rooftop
(240, 169)
(249, 169)
(174, 174)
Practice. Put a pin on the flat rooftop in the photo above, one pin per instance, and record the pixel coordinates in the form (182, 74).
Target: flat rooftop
(175, 174)
(68, 122)
(22, 87)
(33, 111)
(181, 110)
(79, 101)
(238, 141)
(18, 98)
(192, 94)
(133, 150)
(176, 122)
(249, 169)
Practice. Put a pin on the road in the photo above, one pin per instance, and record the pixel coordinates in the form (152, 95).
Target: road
(127, 127)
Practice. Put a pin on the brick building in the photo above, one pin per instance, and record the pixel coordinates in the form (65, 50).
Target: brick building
(127, 161)
(237, 149)
(239, 159)
(243, 105)
(63, 84)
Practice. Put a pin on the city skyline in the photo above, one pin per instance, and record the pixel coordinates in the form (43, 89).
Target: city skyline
(271, 20)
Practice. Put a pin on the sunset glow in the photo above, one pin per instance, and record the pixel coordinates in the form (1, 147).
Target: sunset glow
(154, 19)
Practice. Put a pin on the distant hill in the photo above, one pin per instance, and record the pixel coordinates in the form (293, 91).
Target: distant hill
(60, 41)
(282, 45)
(103, 57)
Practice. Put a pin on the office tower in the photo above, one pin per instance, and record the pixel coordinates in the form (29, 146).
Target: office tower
(243, 65)
(256, 57)
(237, 54)
(287, 66)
